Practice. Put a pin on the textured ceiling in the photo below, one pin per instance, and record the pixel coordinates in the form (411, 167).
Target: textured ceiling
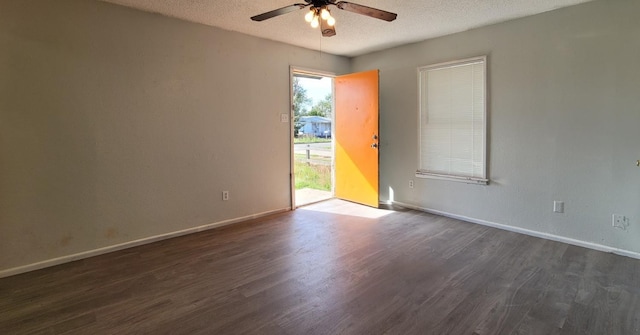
(417, 19)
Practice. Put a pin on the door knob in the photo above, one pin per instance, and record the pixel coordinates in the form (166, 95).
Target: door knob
(374, 145)
(375, 137)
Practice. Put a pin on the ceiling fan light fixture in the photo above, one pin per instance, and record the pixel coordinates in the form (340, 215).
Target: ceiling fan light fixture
(310, 14)
(315, 22)
(324, 13)
(331, 21)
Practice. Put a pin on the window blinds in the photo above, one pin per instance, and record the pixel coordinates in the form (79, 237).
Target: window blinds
(453, 120)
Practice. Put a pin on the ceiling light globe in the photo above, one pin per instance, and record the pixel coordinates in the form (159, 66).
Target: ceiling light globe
(315, 22)
(324, 14)
(331, 21)
(309, 16)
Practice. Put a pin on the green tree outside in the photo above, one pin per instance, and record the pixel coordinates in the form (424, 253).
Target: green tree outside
(323, 107)
(300, 104)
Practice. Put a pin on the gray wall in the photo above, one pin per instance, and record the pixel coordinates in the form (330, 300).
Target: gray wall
(564, 116)
(118, 125)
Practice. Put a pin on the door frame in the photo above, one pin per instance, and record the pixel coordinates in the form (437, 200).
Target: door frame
(310, 72)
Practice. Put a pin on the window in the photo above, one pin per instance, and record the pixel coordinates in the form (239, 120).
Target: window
(453, 121)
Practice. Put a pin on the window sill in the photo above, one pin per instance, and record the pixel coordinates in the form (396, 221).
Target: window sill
(467, 180)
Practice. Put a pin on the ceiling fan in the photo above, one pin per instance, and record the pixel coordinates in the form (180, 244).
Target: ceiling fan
(320, 15)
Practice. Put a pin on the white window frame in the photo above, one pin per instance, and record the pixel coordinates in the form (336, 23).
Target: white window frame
(423, 173)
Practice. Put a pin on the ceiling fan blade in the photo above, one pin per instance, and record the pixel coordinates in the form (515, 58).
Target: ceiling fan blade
(279, 11)
(327, 30)
(368, 11)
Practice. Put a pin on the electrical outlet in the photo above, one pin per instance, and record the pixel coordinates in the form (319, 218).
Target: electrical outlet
(558, 207)
(410, 183)
(620, 221)
(225, 195)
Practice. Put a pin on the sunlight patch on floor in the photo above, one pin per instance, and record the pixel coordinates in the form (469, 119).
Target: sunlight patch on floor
(341, 207)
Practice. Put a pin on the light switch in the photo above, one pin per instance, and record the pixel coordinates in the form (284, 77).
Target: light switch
(558, 207)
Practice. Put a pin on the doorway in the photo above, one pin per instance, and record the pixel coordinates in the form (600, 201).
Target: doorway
(349, 152)
(313, 119)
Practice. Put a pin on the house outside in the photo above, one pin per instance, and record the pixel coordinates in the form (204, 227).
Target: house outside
(315, 126)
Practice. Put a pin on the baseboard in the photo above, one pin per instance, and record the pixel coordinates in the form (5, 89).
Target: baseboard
(557, 238)
(131, 244)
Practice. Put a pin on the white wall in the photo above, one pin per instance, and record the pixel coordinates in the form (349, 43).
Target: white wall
(564, 115)
(118, 125)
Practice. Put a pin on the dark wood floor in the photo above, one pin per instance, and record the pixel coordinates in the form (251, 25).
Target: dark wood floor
(333, 268)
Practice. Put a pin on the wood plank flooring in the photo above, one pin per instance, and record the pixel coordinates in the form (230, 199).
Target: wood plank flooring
(333, 268)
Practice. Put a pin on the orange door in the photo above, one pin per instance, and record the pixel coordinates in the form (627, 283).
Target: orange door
(356, 134)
